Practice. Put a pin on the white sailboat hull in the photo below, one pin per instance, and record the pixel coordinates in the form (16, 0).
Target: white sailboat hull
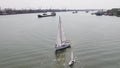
(62, 47)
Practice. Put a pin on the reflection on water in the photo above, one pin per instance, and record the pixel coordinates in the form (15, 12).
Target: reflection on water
(63, 58)
(60, 58)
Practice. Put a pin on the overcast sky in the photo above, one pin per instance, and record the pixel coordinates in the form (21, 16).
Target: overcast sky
(74, 4)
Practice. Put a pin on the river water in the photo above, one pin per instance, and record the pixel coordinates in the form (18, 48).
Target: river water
(28, 42)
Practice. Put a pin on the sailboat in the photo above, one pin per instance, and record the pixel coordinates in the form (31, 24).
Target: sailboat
(61, 42)
(72, 61)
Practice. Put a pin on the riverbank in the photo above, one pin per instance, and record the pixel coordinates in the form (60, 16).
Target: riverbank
(24, 11)
(111, 12)
(9, 11)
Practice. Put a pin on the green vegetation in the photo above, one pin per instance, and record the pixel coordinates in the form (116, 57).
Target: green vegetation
(114, 12)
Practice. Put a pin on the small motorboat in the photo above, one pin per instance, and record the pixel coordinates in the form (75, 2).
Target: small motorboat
(72, 61)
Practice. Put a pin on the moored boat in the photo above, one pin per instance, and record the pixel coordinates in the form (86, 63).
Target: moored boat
(45, 15)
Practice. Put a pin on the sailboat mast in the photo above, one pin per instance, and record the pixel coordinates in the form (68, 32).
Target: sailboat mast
(60, 29)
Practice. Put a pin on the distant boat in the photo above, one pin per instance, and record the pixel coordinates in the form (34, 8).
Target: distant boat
(72, 61)
(45, 15)
(98, 14)
(61, 42)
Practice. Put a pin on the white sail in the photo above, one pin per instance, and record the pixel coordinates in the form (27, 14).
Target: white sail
(60, 34)
(63, 34)
(59, 41)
